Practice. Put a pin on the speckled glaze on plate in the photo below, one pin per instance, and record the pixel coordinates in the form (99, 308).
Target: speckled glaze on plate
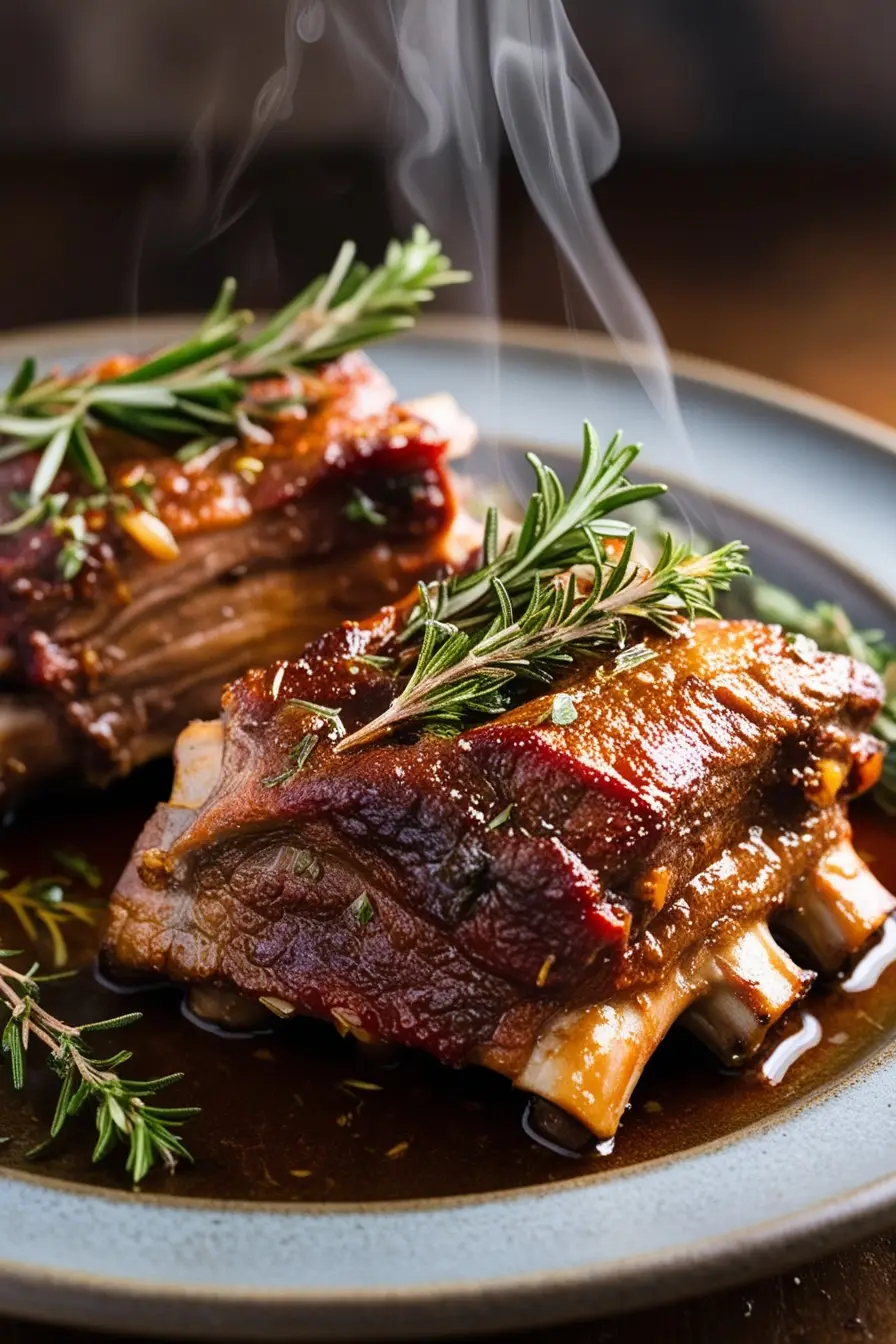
(815, 489)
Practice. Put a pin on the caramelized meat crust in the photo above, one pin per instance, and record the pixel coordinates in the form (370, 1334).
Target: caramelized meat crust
(461, 895)
(348, 502)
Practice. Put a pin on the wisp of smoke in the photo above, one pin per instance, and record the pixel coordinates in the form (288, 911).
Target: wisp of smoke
(305, 21)
(458, 72)
(456, 77)
(564, 137)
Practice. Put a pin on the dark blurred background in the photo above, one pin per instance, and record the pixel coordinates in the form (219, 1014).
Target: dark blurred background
(754, 198)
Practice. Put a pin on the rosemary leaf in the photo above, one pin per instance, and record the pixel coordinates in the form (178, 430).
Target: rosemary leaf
(198, 391)
(475, 642)
(148, 1133)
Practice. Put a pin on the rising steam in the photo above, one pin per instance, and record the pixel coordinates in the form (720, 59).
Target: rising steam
(458, 72)
(454, 79)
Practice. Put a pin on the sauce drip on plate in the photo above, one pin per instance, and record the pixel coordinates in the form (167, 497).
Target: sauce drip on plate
(299, 1114)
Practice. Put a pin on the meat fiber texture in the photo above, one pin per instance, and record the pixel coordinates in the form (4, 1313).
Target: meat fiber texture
(453, 894)
(347, 506)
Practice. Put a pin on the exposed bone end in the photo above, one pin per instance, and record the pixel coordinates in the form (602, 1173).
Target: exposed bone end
(197, 762)
(751, 984)
(444, 414)
(32, 744)
(589, 1060)
(555, 1129)
(222, 1008)
(836, 908)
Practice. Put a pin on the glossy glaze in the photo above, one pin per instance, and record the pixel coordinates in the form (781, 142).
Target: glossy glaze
(300, 1114)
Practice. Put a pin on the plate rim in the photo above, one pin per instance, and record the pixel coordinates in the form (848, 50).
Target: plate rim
(550, 1297)
(530, 1298)
(45, 338)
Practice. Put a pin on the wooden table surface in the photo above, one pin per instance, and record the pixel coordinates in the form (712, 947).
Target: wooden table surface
(789, 271)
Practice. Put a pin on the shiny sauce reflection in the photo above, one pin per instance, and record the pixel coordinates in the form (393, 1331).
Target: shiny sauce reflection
(302, 1115)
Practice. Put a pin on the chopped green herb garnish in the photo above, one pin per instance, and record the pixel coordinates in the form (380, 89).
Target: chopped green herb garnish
(299, 756)
(361, 509)
(362, 910)
(500, 819)
(306, 864)
(77, 541)
(563, 710)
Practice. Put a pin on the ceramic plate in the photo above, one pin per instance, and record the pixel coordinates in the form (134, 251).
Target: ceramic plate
(813, 489)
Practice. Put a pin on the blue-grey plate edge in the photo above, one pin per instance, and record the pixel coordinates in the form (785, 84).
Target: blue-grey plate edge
(758, 1200)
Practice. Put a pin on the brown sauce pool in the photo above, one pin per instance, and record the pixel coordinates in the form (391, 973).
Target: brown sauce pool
(283, 1115)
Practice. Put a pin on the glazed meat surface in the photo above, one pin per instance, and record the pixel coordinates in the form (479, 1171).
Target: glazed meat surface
(526, 895)
(346, 502)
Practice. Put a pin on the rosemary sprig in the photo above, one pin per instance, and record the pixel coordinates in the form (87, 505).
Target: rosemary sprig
(122, 1110)
(830, 627)
(558, 532)
(196, 393)
(526, 613)
(43, 903)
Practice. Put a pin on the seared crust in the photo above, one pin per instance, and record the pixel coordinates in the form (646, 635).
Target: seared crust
(482, 927)
(271, 552)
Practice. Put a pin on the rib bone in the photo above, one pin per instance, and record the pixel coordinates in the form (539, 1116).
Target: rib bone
(588, 1061)
(32, 744)
(197, 762)
(222, 1008)
(837, 908)
(751, 983)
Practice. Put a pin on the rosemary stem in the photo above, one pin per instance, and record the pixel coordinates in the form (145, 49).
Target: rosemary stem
(486, 655)
(18, 1005)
